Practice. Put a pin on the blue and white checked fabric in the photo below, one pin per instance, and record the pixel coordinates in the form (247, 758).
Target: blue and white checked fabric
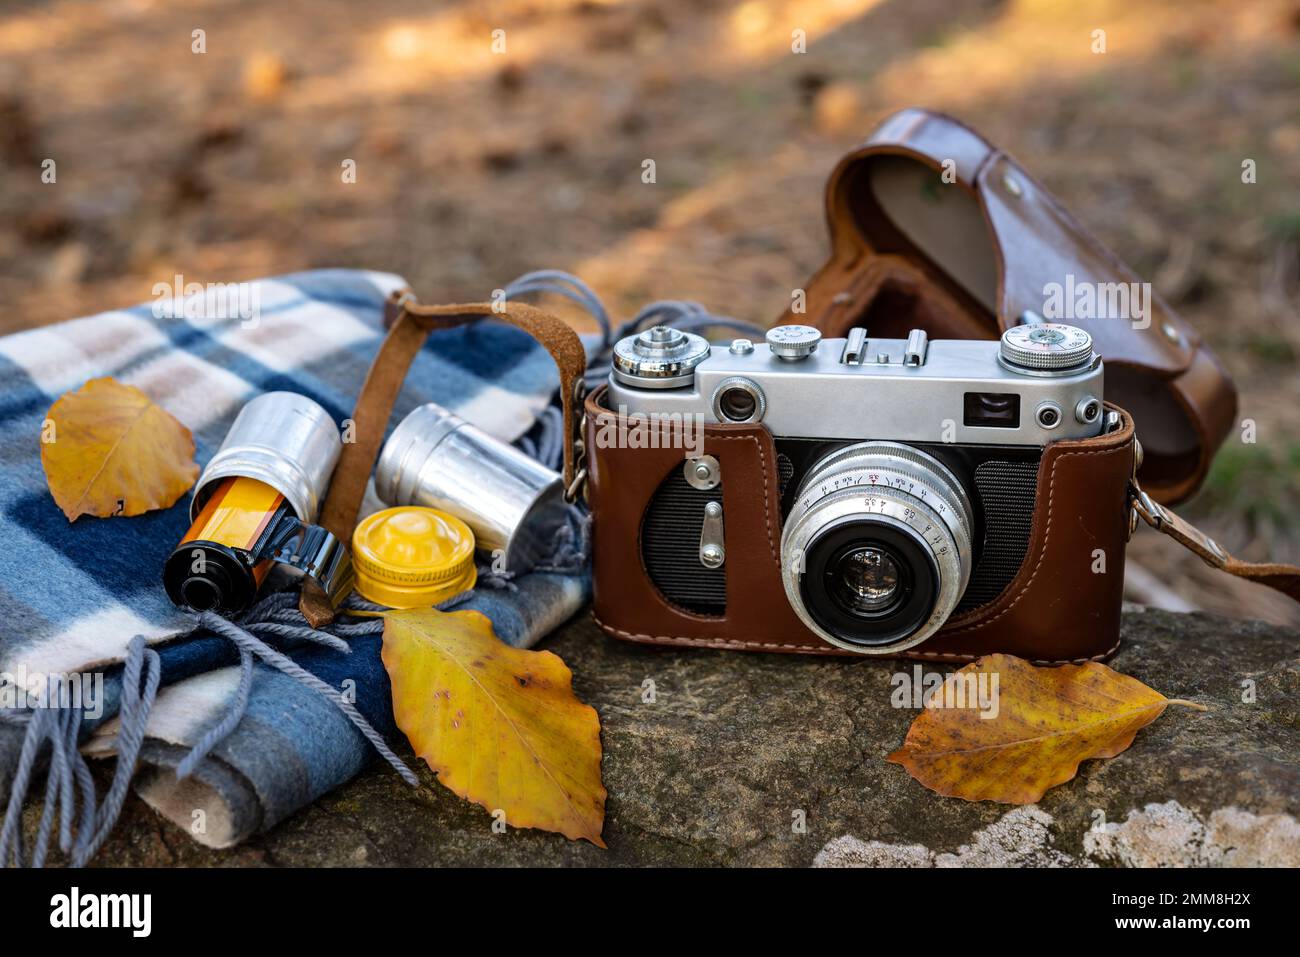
(72, 595)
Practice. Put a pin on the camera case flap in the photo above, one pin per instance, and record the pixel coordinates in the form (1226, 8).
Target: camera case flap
(1061, 605)
(933, 227)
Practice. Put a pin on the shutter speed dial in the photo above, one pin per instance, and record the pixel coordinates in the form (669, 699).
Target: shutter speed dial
(1045, 348)
(793, 342)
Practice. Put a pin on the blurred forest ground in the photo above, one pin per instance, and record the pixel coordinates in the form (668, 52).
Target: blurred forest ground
(473, 167)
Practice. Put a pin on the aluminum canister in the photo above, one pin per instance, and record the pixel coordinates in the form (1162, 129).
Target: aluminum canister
(514, 504)
(283, 439)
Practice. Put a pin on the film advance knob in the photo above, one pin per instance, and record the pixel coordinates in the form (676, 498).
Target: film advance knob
(659, 358)
(1045, 347)
(793, 342)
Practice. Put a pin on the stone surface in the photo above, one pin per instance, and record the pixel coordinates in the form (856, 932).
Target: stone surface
(737, 749)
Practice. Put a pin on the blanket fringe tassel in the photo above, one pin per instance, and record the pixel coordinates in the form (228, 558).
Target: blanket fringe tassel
(84, 823)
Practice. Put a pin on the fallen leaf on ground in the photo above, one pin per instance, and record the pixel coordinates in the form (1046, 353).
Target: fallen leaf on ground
(107, 449)
(1048, 720)
(499, 725)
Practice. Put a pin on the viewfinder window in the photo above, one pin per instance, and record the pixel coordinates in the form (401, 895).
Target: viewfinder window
(992, 410)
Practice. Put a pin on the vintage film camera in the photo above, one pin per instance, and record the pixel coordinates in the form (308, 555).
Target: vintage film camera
(901, 493)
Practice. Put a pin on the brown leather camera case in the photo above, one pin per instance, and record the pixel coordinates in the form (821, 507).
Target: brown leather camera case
(933, 227)
(1063, 606)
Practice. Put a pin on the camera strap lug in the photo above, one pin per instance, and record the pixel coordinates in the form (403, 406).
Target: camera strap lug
(577, 487)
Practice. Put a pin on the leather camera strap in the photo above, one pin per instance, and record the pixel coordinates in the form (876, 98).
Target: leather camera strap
(409, 324)
(1283, 578)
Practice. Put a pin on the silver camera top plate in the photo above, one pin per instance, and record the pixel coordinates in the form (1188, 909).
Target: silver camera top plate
(907, 390)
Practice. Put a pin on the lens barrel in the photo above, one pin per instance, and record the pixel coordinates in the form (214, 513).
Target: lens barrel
(876, 550)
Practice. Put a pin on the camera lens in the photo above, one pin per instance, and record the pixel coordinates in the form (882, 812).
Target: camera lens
(868, 582)
(867, 579)
(877, 547)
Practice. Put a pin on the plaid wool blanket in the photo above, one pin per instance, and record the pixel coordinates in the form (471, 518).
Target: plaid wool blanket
(74, 595)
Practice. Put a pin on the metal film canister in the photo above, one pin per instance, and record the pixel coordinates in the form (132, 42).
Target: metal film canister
(284, 440)
(514, 504)
(253, 507)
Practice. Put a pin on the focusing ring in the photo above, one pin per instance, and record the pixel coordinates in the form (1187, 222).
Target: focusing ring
(882, 485)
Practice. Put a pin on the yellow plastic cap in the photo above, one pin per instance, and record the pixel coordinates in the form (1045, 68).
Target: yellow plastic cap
(413, 557)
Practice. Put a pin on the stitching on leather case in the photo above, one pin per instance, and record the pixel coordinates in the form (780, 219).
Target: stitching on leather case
(762, 467)
(1033, 661)
(1047, 531)
(709, 642)
(645, 639)
(813, 649)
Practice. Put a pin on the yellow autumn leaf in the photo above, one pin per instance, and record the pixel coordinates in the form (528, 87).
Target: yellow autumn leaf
(499, 725)
(1047, 721)
(107, 449)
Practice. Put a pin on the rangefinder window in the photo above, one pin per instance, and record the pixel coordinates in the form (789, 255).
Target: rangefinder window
(992, 410)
